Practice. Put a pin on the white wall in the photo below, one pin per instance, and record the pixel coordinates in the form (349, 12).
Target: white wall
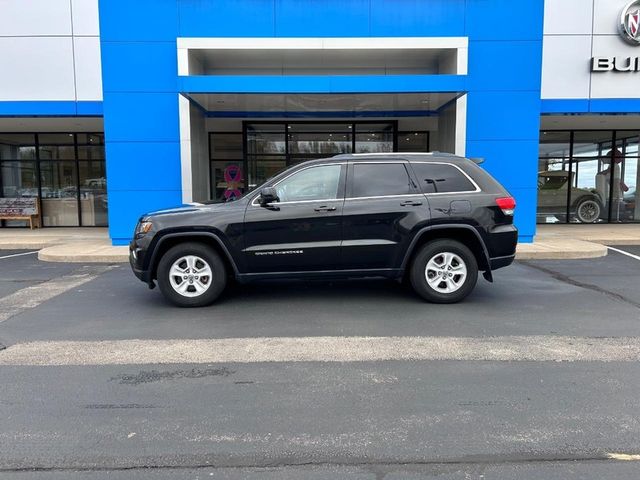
(575, 31)
(49, 50)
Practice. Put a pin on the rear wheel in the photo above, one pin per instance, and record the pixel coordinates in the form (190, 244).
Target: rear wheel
(588, 210)
(191, 275)
(444, 271)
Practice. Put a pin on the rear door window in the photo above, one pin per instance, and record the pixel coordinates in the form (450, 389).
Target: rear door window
(380, 179)
(441, 178)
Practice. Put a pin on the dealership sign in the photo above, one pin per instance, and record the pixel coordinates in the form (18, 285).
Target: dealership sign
(629, 27)
(630, 23)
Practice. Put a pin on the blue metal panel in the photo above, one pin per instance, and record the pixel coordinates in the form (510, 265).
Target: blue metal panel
(321, 18)
(565, 106)
(504, 20)
(50, 108)
(139, 20)
(585, 106)
(525, 217)
(615, 105)
(510, 66)
(141, 117)
(408, 18)
(149, 66)
(126, 206)
(322, 84)
(503, 115)
(224, 18)
(151, 162)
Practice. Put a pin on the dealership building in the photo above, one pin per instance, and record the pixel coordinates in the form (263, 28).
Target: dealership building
(114, 108)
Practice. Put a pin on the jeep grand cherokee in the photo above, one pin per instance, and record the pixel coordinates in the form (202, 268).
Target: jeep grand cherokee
(434, 219)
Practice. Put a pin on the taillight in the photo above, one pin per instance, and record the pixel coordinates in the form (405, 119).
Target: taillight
(506, 204)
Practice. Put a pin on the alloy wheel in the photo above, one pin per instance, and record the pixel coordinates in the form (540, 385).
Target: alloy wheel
(190, 276)
(446, 272)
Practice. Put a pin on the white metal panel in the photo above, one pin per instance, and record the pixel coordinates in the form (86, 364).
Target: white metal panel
(568, 17)
(606, 16)
(85, 17)
(36, 68)
(367, 43)
(184, 114)
(87, 68)
(565, 66)
(35, 17)
(614, 84)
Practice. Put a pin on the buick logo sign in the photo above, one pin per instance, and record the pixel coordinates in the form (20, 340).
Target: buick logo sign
(630, 23)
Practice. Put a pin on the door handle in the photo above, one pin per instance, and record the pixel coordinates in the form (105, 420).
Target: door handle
(325, 208)
(410, 203)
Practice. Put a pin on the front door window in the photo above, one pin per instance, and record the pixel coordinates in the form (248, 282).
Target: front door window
(316, 183)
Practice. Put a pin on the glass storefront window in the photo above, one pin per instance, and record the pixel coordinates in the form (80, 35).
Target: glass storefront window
(17, 146)
(263, 168)
(588, 179)
(319, 143)
(225, 145)
(93, 193)
(19, 179)
(592, 143)
(67, 170)
(91, 153)
(413, 141)
(266, 139)
(374, 138)
(59, 193)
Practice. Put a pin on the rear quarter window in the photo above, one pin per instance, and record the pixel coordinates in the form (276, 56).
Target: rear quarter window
(441, 178)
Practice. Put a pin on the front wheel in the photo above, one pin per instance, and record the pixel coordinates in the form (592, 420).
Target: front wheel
(191, 275)
(444, 271)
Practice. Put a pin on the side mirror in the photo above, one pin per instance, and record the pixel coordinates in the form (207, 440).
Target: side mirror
(268, 195)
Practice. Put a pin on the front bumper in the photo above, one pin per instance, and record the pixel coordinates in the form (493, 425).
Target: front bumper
(136, 260)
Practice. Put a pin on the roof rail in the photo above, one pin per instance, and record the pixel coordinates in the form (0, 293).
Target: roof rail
(397, 154)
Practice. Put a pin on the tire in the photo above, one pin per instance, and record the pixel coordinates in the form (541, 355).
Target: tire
(446, 253)
(588, 210)
(187, 260)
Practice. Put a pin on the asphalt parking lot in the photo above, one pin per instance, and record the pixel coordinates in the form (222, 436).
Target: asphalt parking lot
(445, 418)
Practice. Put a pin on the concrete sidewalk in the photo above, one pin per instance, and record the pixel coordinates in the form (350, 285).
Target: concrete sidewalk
(85, 245)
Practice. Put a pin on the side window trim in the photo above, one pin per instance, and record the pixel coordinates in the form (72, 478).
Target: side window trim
(466, 175)
(410, 175)
(341, 186)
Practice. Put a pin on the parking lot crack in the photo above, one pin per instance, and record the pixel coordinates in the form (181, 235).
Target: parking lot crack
(576, 283)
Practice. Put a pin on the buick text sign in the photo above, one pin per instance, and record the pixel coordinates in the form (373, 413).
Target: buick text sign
(629, 27)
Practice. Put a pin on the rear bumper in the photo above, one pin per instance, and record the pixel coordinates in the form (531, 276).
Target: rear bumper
(500, 262)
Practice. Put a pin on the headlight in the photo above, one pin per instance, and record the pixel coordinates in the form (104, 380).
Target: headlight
(143, 228)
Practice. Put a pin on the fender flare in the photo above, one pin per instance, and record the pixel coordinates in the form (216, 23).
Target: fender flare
(449, 226)
(194, 234)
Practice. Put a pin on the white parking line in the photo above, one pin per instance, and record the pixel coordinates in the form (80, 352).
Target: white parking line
(18, 255)
(34, 295)
(536, 348)
(636, 257)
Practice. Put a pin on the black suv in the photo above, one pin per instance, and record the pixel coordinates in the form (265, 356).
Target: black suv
(434, 219)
